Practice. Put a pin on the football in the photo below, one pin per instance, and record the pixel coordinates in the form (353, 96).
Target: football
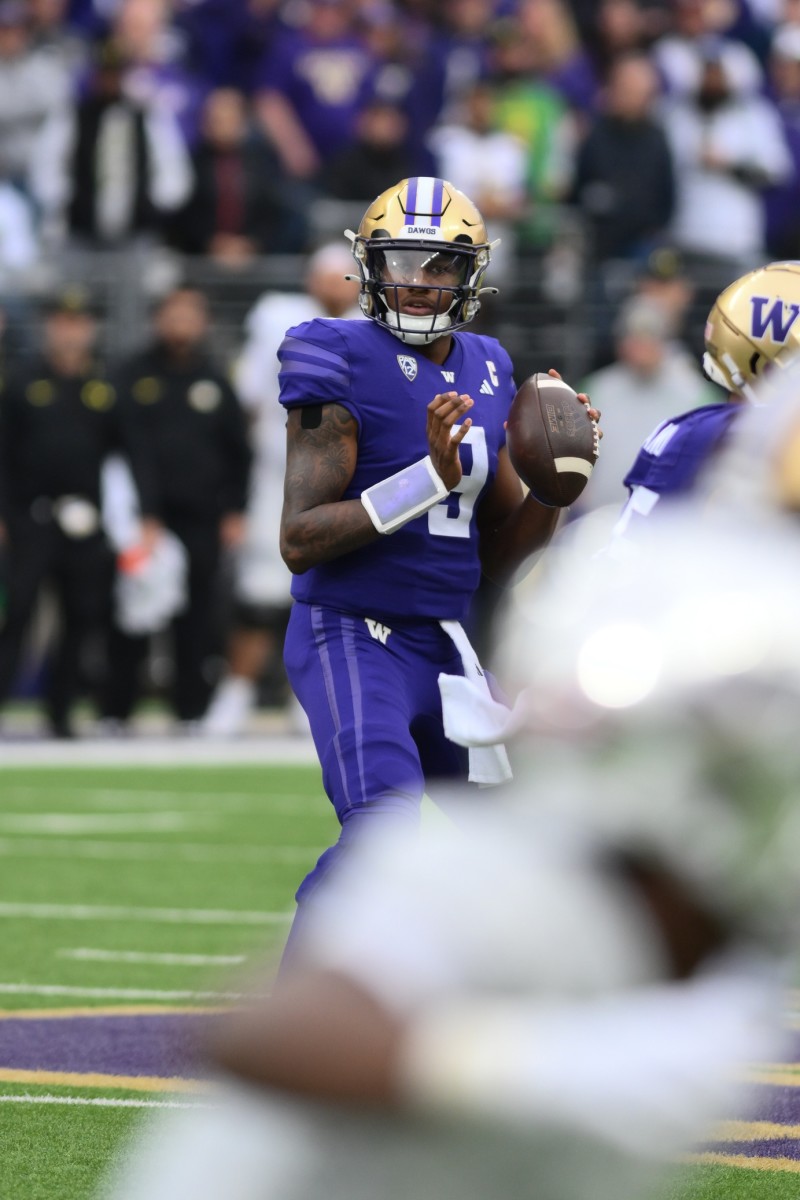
(552, 441)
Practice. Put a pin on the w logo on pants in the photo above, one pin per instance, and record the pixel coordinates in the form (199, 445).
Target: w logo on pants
(378, 631)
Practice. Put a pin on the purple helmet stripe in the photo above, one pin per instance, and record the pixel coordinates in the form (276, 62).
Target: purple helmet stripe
(438, 202)
(411, 199)
(425, 200)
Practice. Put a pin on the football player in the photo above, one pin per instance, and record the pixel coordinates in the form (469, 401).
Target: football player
(557, 1002)
(398, 493)
(752, 326)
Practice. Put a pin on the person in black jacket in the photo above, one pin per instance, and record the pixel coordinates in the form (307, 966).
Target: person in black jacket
(624, 180)
(59, 420)
(193, 423)
(112, 167)
(239, 206)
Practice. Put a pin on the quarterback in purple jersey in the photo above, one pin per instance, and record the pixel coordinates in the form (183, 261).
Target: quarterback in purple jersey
(398, 493)
(752, 325)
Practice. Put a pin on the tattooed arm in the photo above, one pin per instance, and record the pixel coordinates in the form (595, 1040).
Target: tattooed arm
(322, 446)
(316, 524)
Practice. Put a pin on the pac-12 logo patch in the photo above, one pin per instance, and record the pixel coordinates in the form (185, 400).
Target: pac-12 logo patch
(408, 366)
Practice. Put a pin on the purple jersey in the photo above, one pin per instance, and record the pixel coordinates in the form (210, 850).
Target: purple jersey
(672, 458)
(673, 455)
(430, 567)
(326, 83)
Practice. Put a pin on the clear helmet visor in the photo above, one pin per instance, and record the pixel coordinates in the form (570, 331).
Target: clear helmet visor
(420, 267)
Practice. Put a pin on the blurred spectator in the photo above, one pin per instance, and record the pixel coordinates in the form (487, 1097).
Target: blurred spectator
(560, 58)
(728, 146)
(262, 579)
(489, 164)
(535, 114)
(192, 420)
(51, 32)
(622, 26)
(311, 87)
(59, 419)
(405, 74)
(379, 154)
(460, 53)
(783, 201)
(624, 181)
(33, 86)
(226, 39)
(636, 392)
(90, 17)
(111, 168)
(237, 209)
(663, 278)
(678, 55)
(157, 75)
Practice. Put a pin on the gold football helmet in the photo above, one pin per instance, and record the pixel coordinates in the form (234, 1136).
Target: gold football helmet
(754, 322)
(422, 237)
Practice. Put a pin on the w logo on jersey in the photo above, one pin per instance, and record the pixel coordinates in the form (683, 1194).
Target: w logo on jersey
(378, 631)
(778, 318)
(408, 366)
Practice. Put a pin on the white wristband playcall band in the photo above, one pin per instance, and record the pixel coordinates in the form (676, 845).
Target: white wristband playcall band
(408, 493)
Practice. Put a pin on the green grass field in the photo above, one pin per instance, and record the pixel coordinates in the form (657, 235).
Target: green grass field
(143, 888)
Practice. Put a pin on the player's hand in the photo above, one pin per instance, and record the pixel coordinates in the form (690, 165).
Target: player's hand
(594, 413)
(444, 411)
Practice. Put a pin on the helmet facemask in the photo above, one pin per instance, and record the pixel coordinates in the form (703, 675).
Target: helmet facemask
(394, 273)
(421, 246)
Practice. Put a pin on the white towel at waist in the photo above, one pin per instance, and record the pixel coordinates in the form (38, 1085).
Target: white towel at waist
(463, 700)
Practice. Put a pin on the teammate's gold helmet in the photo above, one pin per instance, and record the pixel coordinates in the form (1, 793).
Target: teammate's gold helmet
(753, 323)
(422, 233)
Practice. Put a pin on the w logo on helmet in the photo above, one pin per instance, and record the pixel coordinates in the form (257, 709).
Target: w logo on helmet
(778, 318)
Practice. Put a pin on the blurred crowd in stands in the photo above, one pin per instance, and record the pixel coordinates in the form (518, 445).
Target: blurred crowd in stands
(632, 155)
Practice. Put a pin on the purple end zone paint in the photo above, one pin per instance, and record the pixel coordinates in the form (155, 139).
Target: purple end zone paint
(164, 1045)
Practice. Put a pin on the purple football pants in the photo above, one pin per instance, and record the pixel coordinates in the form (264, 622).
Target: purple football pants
(373, 703)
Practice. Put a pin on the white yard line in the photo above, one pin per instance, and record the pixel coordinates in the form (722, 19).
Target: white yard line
(100, 1101)
(125, 851)
(157, 751)
(101, 993)
(88, 954)
(136, 822)
(160, 916)
(111, 797)
(161, 798)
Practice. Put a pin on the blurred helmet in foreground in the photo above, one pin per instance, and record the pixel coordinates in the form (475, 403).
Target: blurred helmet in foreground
(663, 704)
(757, 470)
(754, 322)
